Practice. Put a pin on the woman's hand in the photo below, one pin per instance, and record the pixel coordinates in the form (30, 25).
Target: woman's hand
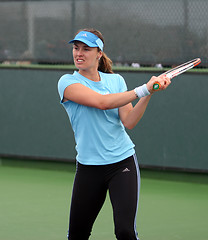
(163, 81)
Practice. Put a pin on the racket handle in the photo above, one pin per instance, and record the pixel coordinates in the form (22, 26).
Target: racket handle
(156, 86)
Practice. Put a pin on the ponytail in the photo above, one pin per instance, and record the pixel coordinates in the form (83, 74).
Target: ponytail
(105, 64)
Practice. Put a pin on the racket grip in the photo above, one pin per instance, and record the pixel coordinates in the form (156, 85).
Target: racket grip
(156, 86)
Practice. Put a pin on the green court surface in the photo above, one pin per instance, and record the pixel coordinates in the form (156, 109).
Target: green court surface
(35, 197)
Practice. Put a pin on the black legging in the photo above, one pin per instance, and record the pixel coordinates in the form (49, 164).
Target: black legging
(91, 184)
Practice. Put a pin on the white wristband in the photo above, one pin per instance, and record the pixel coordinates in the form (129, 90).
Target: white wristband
(142, 91)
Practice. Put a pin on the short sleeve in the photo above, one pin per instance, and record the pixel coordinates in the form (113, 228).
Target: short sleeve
(122, 84)
(65, 81)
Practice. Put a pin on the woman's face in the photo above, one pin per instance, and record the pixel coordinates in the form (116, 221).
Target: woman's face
(85, 58)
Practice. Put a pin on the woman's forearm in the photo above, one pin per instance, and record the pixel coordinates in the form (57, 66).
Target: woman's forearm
(134, 115)
(117, 100)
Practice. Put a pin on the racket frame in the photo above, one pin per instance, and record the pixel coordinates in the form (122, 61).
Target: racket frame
(177, 71)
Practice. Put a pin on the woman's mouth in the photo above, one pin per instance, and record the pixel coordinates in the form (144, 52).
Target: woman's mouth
(80, 60)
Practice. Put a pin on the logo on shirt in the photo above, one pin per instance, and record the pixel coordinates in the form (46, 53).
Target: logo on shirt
(126, 170)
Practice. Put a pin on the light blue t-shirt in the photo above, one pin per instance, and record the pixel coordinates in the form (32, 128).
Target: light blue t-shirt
(99, 134)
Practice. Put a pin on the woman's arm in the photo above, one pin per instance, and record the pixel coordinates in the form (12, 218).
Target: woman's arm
(83, 95)
(130, 115)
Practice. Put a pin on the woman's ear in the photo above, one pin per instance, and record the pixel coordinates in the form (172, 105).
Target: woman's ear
(99, 55)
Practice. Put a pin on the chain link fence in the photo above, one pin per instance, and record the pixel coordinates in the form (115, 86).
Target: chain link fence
(147, 32)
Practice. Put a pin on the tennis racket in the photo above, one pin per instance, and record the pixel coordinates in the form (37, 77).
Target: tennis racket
(177, 71)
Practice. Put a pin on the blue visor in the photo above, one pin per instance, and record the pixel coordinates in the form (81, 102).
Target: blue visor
(89, 39)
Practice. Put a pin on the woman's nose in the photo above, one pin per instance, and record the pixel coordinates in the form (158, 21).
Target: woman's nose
(79, 52)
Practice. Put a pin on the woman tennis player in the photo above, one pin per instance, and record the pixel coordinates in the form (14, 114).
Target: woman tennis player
(99, 108)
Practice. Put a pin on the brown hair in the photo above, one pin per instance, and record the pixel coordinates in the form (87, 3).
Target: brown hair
(105, 63)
